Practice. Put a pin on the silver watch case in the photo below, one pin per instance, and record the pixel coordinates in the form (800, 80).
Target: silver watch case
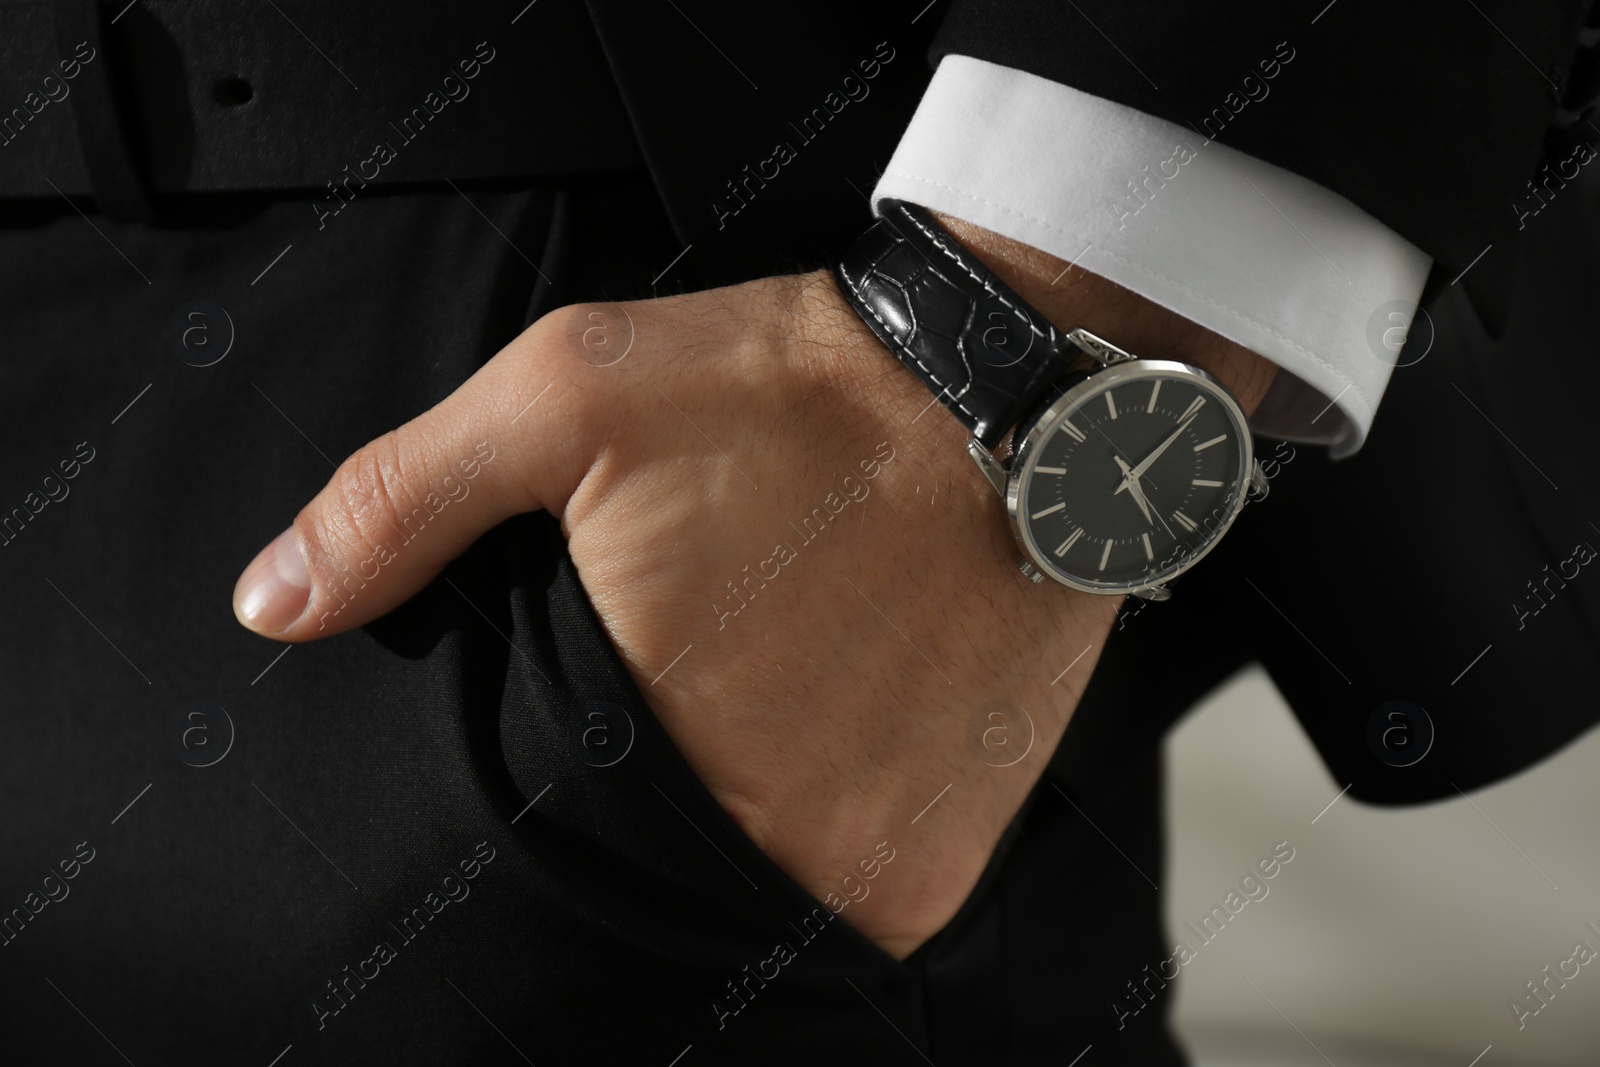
(1009, 477)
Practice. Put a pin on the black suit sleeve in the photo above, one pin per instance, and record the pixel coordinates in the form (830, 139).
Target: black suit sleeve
(1431, 116)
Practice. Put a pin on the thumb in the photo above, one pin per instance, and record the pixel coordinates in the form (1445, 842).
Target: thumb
(414, 499)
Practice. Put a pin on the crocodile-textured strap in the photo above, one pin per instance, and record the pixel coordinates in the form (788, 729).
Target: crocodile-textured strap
(987, 354)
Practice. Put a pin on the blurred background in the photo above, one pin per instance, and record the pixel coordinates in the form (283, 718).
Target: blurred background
(1396, 936)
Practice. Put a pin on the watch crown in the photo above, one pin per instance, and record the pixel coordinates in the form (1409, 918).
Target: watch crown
(1029, 571)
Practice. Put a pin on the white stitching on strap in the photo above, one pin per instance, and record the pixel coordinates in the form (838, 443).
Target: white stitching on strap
(930, 235)
(862, 301)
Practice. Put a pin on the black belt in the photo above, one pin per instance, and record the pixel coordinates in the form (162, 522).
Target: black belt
(116, 101)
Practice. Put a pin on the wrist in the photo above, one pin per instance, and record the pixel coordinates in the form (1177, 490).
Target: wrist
(1071, 297)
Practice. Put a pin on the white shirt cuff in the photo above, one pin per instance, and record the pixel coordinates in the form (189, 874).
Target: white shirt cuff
(1264, 257)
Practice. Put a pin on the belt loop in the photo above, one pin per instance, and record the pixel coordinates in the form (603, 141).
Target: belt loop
(103, 135)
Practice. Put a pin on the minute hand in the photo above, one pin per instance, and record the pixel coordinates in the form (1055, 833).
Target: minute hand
(1144, 464)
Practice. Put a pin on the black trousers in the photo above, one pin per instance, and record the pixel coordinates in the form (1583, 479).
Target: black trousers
(459, 835)
(455, 836)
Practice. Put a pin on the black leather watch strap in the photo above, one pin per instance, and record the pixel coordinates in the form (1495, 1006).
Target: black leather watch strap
(988, 355)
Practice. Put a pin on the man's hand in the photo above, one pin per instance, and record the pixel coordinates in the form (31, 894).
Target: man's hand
(810, 582)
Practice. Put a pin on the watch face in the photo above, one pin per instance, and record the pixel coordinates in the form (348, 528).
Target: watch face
(1131, 476)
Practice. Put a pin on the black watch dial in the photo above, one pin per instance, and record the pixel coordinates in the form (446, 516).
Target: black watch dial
(1131, 476)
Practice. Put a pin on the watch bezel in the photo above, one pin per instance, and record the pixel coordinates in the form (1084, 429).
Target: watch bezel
(1045, 424)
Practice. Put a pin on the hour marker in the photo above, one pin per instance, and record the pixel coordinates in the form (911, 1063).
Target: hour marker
(1105, 556)
(1215, 440)
(1206, 482)
(1155, 391)
(1149, 553)
(1072, 431)
(1061, 549)
(1185, 521)
(1049, 470)
(1051, 510)
(1111, 405)
(1191, 409)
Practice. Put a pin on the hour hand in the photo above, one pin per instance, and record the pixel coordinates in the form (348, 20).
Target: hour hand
(1131, 483)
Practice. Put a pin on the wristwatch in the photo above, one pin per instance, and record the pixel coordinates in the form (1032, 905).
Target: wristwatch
(1118, 473)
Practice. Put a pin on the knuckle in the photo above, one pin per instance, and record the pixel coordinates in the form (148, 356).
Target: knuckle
(552, 366)
(599, 335)
(572, 368)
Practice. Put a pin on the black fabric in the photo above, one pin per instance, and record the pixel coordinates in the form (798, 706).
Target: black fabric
(220, 900)
(102, 120)
(834, 83)
(214, 95)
